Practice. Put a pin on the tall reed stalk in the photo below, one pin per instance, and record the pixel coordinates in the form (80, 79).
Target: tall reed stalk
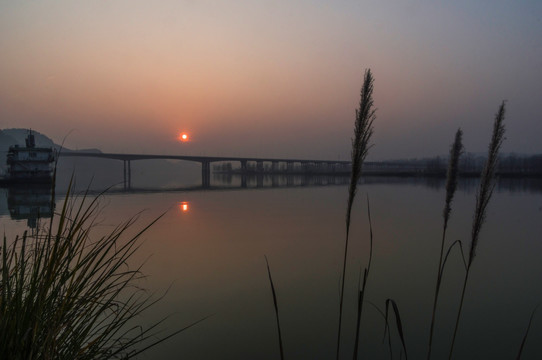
(65, 295)
(451, 185)
(485, 191)
(363, 130)
(362, 290)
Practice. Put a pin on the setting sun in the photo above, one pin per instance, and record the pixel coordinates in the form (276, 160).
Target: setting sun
(183, 137)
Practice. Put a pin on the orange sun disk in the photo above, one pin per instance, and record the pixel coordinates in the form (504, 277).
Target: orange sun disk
(183, 137)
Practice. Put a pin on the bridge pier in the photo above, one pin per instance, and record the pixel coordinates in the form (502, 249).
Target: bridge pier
(243, 180)
(127, 175)
(205, 174)
(244, 166)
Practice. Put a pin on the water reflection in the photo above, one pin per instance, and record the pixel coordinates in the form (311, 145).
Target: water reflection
(218, 267)
(466, 184)
(184, 206)
(30, 203)
(274, 180)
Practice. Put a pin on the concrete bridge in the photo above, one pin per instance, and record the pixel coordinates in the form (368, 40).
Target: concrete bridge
(206, 161)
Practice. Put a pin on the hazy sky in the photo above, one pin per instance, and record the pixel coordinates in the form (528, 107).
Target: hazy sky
(271, 78)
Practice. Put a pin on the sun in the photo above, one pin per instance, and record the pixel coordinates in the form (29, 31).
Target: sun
(183, 137)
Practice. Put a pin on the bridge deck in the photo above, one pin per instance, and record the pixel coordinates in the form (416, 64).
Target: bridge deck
(201, 159)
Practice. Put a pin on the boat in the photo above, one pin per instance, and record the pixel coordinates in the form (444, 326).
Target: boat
(29, 164)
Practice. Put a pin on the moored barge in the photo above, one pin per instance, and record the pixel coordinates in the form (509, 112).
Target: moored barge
(29, 164)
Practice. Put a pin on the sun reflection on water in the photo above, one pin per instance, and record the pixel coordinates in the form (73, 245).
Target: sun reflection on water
(184, 206)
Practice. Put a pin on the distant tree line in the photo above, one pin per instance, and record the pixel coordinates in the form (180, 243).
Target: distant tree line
(473, 164)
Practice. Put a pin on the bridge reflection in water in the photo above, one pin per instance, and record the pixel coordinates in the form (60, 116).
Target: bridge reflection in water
(225, 182)
(259, 180)
(34, 202)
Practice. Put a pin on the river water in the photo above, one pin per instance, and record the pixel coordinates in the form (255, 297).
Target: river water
(208, 249)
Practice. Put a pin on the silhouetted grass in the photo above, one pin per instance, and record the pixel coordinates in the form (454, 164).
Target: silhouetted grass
(399, 325)
(362, 290)
(487, 185)
(485, 191)
(65, 295)
(363, 130)
(275, 303)
(451, 186)
(522, 346)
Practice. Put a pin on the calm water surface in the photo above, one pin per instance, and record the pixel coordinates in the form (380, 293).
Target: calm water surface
(209, 249)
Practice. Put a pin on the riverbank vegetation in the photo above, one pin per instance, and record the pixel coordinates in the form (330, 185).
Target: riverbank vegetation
(67, 295)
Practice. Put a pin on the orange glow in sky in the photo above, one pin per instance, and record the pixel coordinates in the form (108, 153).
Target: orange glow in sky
(247, 78)
(183, 206)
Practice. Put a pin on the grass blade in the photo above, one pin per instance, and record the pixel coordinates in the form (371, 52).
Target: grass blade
(275, 303)
(485, 191)
(398, 323)
(520, 352)
(451, 186)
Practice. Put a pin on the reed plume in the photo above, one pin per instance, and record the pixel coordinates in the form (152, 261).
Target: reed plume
(363, 130)
(452, 174)
(485, 191)
(451, 186)
(487, 183)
